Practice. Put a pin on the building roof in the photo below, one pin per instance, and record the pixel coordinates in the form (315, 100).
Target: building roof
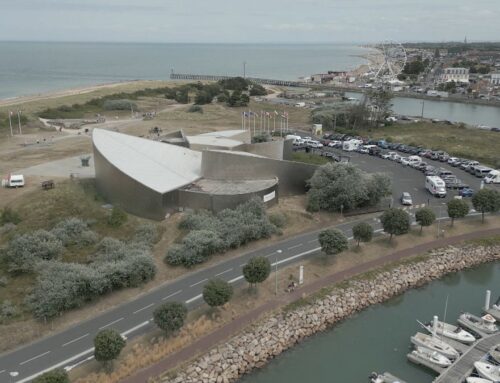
(225, 133)
(213, 141)
(159, 166)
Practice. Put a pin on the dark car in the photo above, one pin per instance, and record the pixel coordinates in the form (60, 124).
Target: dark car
(495, 129)
(374, 151)
(466, 192)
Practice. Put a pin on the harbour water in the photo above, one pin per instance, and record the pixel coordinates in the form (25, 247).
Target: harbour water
(28, 68)
(378, 338)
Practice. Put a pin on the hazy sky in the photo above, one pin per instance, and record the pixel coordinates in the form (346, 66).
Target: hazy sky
(249, 21)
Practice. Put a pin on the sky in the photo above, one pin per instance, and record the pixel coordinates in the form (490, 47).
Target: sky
(251, 21)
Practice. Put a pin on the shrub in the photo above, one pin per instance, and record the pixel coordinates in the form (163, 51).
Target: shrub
(170, 317)
(55, 376)
(110, 249)
(7, 215)
(257, 270)
(74, 231)
(217, 292)
(4, 281)
(24, 251)
(333, 241)
(108, 344)
(362, 232)
(119, 105)
(278, 219)
(395, 222)
(195, 109)
(117, 217)
(146, 233)
(264, 137)
(7, 310)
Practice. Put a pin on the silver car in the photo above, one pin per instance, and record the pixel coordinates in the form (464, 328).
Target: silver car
(406, 199)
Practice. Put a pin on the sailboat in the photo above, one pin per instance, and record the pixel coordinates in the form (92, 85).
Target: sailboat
(434, 343)
(451, 331)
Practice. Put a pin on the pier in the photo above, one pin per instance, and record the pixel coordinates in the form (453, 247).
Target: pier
(208, 77)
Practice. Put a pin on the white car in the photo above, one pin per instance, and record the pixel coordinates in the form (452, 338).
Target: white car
(386, 156)
(406, 199)
(405, 161)
(363, 150)
(334, 144)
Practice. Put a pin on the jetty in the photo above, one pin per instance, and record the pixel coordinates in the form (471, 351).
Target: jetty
(210, 77)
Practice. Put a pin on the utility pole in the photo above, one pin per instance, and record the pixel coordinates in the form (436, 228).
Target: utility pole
(10, 123)
(244, 69)
(19, 121)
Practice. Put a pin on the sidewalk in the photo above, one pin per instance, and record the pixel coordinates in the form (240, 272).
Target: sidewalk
(209, 341)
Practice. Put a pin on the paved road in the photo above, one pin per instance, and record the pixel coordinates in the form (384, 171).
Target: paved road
(74, 345)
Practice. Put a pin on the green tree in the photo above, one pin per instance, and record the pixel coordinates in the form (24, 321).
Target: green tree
(170, 317)
(395, 222)
(486, 201)
(108, 344)
(55, 376)
(425, 217)
(257, 270)
(362, 232)
(380, 99)
(217, 292)
(117, 217)
(457, 208)
(333, 241)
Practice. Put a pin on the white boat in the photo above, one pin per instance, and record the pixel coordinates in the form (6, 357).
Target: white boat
(495, 353)
(447, 330)
(478, 380)
(488, 371)
(485, 324)
(432, 357)
(434, 343)
(383, 378)
(495, 311)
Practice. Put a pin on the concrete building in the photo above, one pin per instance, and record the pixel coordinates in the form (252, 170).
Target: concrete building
(218, 170)
(495, 79)
(455, 74)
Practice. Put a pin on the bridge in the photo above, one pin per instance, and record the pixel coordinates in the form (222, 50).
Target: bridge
(209, 77)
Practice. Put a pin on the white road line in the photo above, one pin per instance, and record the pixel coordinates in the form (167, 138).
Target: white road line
(144, 308)
(269, 255)
(60, 364)
(1, 372)
(171, 295)
(378, 230)
(294, 247)
(197, 283)
(135, 328)
(35, 357)
(314, 240)
(224, 272)
(75, 340)
(294, 257)
(109, 324)
(243, 264)
(194, 299)
(236, 279)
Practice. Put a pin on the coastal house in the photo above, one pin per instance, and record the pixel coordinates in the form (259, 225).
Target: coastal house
(455, 74)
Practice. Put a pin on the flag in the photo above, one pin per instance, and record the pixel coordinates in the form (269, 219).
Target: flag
(276, 113)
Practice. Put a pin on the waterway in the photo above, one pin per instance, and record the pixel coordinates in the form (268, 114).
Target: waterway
(378, 339)
(470, 114)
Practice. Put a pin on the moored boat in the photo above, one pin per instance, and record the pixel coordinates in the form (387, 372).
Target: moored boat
(432, 357)
(434, 343)
(495, 353)
(488, 371)
(447, 330)
(472, 379)
(485, 324)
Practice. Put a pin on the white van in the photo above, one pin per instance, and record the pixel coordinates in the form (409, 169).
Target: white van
(351, 145)
(436, 186)
(482, 171)
(493, 177)
(292, 137)
(414, 161)
(15, 181)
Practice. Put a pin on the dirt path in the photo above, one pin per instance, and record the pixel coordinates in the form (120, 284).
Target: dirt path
(209, 341)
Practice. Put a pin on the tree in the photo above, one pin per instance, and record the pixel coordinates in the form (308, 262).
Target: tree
(257, 270)
(333, 241)
(55, 376)
(170, 317)
(117, 217)
(486, 201)
(395, 222)
(380, 99)
(425, 217)
(108, 344)
(457, 208)
(362, 232)
(217, 292)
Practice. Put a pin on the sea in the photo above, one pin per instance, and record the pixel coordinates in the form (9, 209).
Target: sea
(31, 68)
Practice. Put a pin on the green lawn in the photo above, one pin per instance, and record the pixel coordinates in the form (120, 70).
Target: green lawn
(309, 158)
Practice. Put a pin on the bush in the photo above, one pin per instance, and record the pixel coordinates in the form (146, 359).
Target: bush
(195, 109)
(146, 233)
(7, 215)
(486, 201)
(74, 231)
(117, 217)
(119, 105)
(457, 208)
(333, 241)
(257, 270)
(362, 232)
(7, 311)
(170, 317)
(4, 281)
(278, 219)
(108, 344)
(395, 222)
(217, 292)
(264, 137)
(24, 251)
(55, 376)
(425, 217)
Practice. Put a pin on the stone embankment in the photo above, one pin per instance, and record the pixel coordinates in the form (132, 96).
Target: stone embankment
(267, 339)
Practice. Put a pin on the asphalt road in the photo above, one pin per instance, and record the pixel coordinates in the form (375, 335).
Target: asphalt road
(75, 345)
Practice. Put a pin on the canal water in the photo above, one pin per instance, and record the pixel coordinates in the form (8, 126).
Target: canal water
(378, 339)
(470, 114)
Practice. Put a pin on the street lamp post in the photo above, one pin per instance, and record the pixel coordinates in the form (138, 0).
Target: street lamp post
(278, 252)
(13, 374)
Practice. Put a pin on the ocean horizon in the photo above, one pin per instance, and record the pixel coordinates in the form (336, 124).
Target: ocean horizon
(32, 68)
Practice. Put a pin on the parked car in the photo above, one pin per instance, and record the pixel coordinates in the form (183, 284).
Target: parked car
(406, 199)
(466, 192)
(422, 166)
(374, 151)
(444, 157)
(405, 161)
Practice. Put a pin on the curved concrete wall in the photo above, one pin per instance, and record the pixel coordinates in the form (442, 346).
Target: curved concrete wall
(271, 149)
(292, 176)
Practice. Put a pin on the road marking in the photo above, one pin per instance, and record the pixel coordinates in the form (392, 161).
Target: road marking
(109, 324)
(349, 238)
(197, 283)
(224, 272)
(35, 357)
(194, 299)
(294, 247)
(243, 264)
(135, 328)
(268, 255)
(171, 295)
(314, 240)
(236, 279)
(144, 308)
(1, 372)
(75, 340)
(378, 230)
(294, 257)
